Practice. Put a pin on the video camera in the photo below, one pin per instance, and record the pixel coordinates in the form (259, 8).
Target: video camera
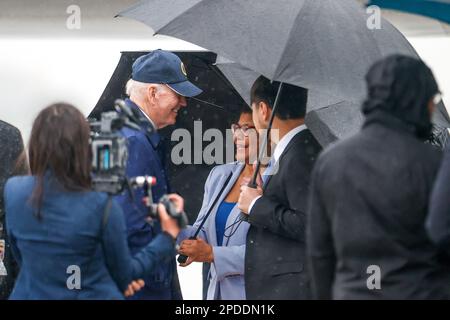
(110, 154)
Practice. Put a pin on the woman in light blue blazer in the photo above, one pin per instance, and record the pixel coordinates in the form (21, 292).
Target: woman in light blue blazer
(222, 239)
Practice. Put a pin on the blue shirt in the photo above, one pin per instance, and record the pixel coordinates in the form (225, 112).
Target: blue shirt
(222, 214)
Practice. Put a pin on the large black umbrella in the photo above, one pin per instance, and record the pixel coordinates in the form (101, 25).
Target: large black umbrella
(323, 45)
(328, 119)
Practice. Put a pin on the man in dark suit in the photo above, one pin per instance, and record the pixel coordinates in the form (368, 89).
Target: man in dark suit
(157, 89)
(13, 162)
(275, 266)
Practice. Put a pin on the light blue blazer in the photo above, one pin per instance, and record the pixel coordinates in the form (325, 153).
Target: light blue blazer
(226, 274)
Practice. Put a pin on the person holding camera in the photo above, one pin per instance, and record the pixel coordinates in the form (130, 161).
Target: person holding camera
(13, 161)
(69, 241)
(157, 89)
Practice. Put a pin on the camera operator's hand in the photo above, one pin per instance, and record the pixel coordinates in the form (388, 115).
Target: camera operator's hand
(134, 287)
(177, 200)
(167, 223)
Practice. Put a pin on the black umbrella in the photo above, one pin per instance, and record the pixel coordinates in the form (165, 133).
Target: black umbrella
(328, 119)
(323, 45)
(318, 44)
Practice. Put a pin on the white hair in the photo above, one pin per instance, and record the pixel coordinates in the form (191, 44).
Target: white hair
(134, 87)
(137, 88)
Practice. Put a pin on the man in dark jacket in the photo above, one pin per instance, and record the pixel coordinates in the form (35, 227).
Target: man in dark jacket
(157, 89)
(369, 199)
(12, 162)
(275, 266)
(438, 221)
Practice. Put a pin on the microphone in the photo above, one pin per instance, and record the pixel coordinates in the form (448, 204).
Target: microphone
(134, 119)
(122, 106)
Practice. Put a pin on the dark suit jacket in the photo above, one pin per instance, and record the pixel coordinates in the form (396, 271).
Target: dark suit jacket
(146, 157)
(11, 163)
(275, 266)
(368, 207)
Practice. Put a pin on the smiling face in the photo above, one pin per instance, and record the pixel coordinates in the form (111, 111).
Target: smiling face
(245, 139)
(164, 105)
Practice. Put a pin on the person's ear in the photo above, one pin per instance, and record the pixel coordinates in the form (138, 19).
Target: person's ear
(152, 93)
(265, 111)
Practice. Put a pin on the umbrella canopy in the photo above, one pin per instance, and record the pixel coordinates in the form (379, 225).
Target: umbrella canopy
(309, 43)
(328, 120)
(437, 9)
(322, 45)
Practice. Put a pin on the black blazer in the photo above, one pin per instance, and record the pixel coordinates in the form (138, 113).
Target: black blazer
(369, 200)
(275, 265)
(438, 220)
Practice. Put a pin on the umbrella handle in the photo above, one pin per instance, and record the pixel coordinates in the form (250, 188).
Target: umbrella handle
(182, 258)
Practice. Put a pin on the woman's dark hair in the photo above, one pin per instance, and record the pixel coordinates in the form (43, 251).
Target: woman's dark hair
(292, 102)
(59, 146)
(402, 87)
(241, 109)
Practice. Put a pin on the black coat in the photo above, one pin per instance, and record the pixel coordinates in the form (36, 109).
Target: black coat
(12, 162)
(438, 222)
(368, 207)
(275, 266)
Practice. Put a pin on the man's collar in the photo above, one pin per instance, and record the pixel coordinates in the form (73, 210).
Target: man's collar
(282, 144)
(154, 137)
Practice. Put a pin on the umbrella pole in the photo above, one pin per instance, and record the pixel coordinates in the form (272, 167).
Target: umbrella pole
(253, 183)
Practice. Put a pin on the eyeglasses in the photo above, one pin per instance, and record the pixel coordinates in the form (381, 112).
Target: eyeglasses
(437, 98)
(245, 129)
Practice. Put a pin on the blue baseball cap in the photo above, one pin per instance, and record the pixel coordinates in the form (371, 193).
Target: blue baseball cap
(164, 67)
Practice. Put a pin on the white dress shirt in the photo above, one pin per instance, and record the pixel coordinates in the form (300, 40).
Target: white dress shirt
(279, 149)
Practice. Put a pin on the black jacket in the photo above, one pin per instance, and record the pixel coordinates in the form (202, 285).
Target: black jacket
(275, 265)
(368, 207)
(438, 222)
(11, 163)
